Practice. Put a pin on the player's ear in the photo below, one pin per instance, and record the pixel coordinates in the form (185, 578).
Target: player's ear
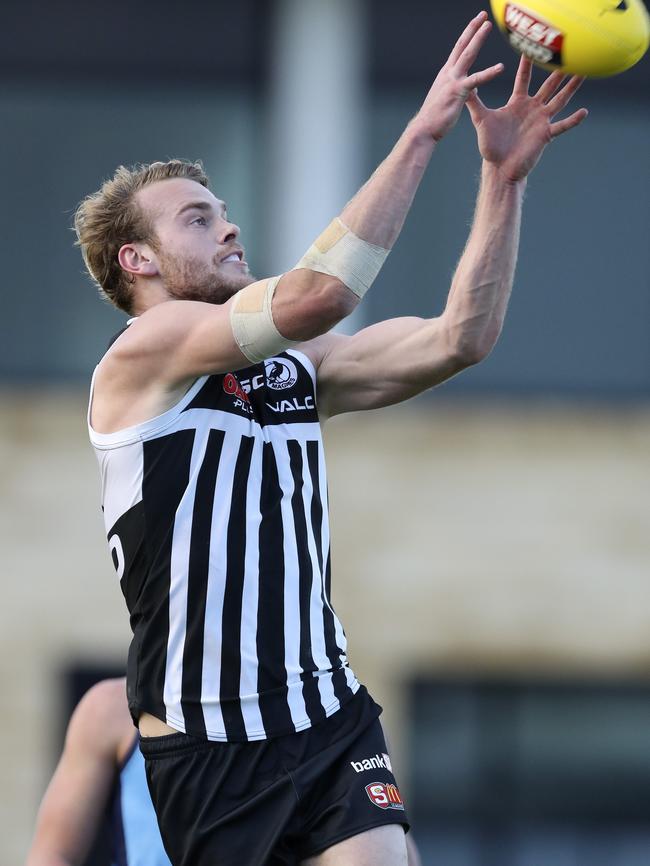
(138, 259)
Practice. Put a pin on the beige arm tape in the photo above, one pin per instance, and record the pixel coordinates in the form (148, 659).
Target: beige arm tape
(341, 254)
(252, 322)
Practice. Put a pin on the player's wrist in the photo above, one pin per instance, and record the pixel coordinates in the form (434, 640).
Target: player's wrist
(422, 134)
(498, 176)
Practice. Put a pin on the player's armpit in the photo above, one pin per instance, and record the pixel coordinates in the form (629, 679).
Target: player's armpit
(383, 364)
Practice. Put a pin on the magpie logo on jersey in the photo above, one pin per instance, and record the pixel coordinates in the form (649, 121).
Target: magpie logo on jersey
(385, 796)
(281, 373)
(378, 762)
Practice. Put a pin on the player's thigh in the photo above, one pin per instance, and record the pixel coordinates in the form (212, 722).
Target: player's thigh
(381, 846)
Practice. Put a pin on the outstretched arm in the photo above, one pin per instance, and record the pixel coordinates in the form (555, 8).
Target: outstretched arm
(395, 360)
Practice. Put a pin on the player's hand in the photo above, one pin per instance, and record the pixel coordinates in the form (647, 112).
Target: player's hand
(454, 83)
(513, 138)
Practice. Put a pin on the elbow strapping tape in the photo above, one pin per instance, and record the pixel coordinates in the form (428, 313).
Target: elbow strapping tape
(252, 322)
(341, 254)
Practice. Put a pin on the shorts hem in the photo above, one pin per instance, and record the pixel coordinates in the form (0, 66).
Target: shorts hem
(356, 831)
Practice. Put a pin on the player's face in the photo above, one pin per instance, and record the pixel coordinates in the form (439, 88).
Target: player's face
(198, 253)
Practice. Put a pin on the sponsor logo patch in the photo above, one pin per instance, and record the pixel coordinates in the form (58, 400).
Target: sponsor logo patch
(253, 384)
(378, 762)
(292, 405)
(281, 373)
(532, 36)
(385, 796)
(231, 386)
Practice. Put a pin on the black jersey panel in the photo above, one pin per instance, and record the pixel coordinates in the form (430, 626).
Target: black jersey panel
(339, 682)
(165, 480)
(271, 678)
(129, 554)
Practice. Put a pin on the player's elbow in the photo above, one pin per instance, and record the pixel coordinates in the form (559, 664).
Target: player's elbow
(334, 300)
(473, 353)
(468, 349)
(319, 309)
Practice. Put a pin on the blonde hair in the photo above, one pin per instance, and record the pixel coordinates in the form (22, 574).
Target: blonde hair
(111, 217)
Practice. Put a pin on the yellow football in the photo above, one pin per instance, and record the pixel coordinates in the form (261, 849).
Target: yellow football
(595, 38)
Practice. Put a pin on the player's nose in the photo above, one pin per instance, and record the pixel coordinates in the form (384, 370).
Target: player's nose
(227, 231)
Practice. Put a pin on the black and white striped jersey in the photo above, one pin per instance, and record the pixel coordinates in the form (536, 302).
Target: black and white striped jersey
(217, 523)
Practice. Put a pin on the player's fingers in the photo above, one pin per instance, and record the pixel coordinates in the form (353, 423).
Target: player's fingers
(477, 79)
(522, 78)
(475, 107)
(466, 36)
(469, 55)
(562, 97)
(568, 123)
(550, 86)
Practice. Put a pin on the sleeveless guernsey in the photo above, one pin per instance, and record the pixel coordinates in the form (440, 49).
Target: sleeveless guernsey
(217, 524)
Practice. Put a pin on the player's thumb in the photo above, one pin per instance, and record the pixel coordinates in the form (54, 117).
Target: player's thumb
(475, 106)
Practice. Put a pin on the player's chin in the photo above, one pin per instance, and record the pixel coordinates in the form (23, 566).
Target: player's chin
(240, 281)
(228, 287)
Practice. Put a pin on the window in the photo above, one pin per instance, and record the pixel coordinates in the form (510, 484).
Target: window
(526, 773)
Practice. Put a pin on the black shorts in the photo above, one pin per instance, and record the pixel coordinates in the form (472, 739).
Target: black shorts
(275, 801)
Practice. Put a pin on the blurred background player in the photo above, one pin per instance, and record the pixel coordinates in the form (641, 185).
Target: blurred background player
(99, 778)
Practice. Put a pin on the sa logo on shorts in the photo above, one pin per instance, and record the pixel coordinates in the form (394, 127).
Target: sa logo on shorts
(385, 796)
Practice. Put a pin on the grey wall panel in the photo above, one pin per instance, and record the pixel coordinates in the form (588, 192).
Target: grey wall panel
(133, 41)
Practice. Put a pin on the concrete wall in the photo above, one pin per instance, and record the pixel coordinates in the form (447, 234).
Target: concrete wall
(481, 538)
